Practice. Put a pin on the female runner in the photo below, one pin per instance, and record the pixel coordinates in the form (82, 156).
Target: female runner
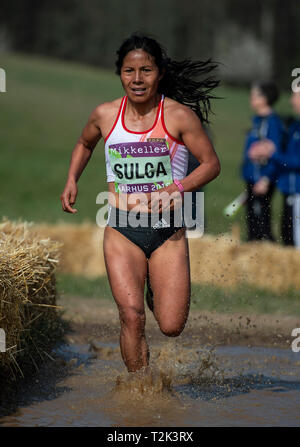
(147, 135)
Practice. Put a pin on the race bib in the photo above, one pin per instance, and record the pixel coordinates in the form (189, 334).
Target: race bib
(141, 167)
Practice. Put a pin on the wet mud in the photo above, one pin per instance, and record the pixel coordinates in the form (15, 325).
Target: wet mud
(224, 370)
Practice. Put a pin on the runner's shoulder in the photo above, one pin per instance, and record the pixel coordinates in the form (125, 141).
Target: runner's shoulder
(106, 110)
(179, 112)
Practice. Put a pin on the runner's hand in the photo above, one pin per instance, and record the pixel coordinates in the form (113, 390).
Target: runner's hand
(68, 197)
(160, 200)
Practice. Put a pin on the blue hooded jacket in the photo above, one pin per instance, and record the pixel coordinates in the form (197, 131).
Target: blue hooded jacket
(272, 128)
(287, 162)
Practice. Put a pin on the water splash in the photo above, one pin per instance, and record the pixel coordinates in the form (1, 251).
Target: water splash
(171, 365)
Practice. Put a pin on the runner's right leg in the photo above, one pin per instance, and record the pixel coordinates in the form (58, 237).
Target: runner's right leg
(126, 266)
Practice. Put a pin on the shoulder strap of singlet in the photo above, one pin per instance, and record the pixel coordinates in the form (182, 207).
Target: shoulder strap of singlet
(117, 118)
(163, 124)
(161, 103)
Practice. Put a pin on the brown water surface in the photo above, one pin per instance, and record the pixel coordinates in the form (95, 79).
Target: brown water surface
(184, 386)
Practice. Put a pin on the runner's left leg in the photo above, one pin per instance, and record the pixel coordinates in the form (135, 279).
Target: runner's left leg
(169, 270)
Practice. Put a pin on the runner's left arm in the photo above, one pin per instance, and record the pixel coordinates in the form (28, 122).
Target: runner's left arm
(196, 140)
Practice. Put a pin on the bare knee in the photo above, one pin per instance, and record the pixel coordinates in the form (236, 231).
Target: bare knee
(132, 319)
(171, 330)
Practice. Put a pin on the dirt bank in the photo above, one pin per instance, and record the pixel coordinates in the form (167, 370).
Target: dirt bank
(93, 319)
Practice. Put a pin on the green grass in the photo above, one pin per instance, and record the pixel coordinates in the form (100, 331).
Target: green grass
(43, 112)
(76, 285)
(203, 297)
(245, 298)
(46, 105)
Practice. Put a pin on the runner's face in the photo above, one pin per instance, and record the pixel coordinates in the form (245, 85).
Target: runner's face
(140, 76)
(295, 100)
(257, 99)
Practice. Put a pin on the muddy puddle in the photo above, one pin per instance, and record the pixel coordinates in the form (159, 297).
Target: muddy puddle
(184, 386)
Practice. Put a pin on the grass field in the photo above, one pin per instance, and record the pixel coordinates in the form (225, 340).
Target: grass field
(42, 113)
(244, 298)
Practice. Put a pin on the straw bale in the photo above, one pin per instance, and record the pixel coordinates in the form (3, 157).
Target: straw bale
(221, 260)
(81, 252)
(225, 261)
(28, 311)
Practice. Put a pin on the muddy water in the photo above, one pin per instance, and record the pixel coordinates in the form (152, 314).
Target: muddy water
(184, 386)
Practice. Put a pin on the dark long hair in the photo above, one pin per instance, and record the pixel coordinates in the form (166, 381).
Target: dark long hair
(181, 79)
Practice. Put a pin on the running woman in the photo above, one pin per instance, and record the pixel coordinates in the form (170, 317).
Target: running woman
(266, 124)
(148, 134)
(287, 164)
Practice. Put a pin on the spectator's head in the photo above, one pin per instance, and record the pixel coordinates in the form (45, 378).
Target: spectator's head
(295, 101)
(263, 95)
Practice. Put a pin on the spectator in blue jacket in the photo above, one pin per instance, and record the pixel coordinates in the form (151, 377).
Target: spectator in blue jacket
(287, 167)
(266, 126)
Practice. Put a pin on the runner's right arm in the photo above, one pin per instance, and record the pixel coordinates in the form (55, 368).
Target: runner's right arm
(81, 154)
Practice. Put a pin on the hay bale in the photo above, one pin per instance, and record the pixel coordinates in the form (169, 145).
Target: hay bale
(225, 261)
(28, 311)
(213, 260)
(221, 260)
(81, 252)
